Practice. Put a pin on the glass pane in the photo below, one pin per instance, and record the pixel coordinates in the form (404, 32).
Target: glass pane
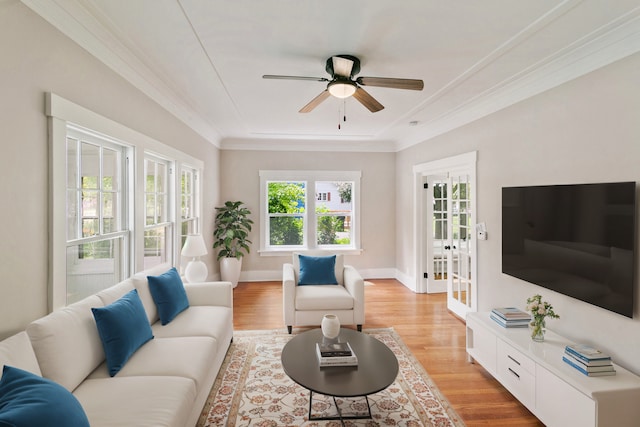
(109, 210)
(161, 177)
(150, 173)
(285, 230)
(154, 247)
(286, 197)
(150, 203)
(72, 163)
(90, 165)
(160, 208)
(90, 225)
(187, 178)
(92, 268)
(186, 210)
(72, 214)
(333, 230)
(110, 169)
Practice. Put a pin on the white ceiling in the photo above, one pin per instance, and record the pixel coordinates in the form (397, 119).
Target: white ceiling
(203, 60)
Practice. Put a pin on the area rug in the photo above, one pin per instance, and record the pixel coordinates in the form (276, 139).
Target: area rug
(253, 390)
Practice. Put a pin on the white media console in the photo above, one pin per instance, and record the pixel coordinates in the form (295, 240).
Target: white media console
(553, 391)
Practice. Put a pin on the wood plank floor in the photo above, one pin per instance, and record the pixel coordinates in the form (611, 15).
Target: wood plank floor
(434, 335)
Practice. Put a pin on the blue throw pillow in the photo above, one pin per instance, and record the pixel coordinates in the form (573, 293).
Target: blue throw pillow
(29, 400)
(167, 291)
(123, 327)
(317, 270)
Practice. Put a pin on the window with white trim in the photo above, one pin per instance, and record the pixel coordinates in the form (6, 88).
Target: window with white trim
(309, 210)
(158, 224)
(113, 209)
(97, 231)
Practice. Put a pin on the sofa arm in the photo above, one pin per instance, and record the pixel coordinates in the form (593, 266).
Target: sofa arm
(354, 283)
(210, 293)
(288, 294)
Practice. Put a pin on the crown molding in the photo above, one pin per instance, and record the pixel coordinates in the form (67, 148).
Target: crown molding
(364, 146)
(608, 44)
(84, 29)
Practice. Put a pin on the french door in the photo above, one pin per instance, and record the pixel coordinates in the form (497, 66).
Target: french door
(446, 258)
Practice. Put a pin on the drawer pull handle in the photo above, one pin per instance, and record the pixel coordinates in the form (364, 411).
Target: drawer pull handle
(514, 373)
(518, 363)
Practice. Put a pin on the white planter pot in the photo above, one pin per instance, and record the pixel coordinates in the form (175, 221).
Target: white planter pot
(230, 270)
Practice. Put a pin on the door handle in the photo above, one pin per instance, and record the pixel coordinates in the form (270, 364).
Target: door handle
(447, 247)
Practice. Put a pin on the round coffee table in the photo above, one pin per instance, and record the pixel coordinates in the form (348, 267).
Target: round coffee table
(377, 369)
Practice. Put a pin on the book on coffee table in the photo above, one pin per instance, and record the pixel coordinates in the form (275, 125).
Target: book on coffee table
(324, 361)
(335, 349)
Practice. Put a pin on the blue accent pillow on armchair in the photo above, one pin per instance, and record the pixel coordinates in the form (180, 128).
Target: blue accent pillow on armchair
(317, 270)
(169, 295)
(27, 400)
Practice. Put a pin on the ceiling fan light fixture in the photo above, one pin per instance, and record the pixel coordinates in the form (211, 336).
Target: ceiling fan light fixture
(342, 88)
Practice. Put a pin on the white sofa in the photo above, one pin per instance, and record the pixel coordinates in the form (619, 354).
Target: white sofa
(165, 382)
(305, 305)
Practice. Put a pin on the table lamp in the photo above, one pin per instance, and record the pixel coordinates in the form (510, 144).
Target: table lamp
(194, 248)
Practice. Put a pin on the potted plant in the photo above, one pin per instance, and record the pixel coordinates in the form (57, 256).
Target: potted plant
(232, 227)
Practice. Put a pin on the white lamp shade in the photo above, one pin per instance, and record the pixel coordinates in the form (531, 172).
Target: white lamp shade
(194, 246)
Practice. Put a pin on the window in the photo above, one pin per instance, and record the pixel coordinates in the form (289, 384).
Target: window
(97, 236)
(158, 225)
(291, 220)
(189, 203)
(112, 212)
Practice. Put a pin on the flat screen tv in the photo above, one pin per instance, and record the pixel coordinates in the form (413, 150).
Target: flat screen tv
(578, 240)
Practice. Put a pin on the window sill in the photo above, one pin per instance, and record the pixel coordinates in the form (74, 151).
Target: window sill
(289, 251)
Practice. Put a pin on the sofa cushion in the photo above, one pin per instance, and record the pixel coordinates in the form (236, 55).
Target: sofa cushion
(198, 321)
(137, 401)
(123, 327)
(317, 270)
(17, 352)
(326, 297)
(188, 357)
(169, 295)
(28, 400)
(67, 344)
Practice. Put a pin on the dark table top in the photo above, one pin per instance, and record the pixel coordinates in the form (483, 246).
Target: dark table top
(377, 365)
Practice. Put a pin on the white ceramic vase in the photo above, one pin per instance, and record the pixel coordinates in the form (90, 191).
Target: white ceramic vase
(330, 326)
(230, 270)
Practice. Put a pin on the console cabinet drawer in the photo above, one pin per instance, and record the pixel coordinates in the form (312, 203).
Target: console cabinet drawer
(517, 373)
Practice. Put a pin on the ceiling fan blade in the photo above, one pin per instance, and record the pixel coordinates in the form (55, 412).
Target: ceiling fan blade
(276, 77)
(410, 84)
(342, 66)
(367, 100)
(315, 102)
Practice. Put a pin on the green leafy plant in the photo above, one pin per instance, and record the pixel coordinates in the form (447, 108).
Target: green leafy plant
(233, 225)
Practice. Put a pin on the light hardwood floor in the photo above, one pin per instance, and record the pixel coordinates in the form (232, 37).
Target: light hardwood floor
(434, 335)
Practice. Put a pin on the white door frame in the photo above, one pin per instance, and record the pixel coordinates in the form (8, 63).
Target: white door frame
(464, 162)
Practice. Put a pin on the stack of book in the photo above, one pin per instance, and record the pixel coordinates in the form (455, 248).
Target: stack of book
(588, 360)
(510, 317)
(336, 354)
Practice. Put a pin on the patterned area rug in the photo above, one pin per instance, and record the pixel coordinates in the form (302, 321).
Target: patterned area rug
(253, 390)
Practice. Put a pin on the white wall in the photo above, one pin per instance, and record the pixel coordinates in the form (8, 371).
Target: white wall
(240, 180)
(587, 130)
(36, 58)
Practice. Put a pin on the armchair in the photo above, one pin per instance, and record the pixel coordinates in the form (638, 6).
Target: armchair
(306, 304)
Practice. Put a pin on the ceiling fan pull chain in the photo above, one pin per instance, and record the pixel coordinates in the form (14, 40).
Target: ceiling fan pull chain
(344, 101)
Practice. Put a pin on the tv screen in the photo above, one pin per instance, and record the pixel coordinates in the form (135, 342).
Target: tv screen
(578, 240)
